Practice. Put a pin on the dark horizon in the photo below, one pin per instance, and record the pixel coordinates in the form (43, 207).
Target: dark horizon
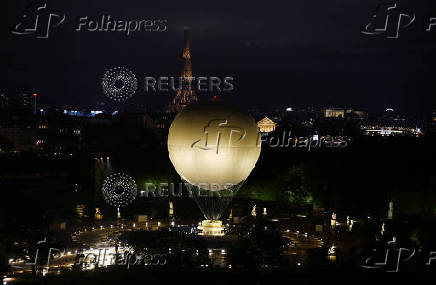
(280, 55)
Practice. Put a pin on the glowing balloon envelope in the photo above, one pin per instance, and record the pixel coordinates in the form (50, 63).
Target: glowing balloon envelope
(213, 145)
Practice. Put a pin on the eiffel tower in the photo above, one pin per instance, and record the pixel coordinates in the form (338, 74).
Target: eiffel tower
(184, 94)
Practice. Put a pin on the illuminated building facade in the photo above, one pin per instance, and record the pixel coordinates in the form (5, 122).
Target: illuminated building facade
(334, 113)
(266, 125)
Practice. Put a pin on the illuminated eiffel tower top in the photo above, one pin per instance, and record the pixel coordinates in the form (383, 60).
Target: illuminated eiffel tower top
(184, 94)
(187, 70)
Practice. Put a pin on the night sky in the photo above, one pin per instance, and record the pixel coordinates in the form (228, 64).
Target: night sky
(280, 53)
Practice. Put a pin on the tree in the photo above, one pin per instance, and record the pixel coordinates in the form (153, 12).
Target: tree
(294, 184)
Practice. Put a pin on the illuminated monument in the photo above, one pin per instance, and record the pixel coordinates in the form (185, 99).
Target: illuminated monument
(185, 94)
(171, 211)
(391, 210)
(266, 125)
(213, 146)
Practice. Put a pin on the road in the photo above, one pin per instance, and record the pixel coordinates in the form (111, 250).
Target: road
(301, 242)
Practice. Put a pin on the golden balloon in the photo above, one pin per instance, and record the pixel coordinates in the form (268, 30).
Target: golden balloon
(213, 145)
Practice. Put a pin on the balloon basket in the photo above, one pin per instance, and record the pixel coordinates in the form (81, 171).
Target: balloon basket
(211, 228)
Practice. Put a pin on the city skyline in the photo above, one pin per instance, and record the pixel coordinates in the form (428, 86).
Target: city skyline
(290, 64)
